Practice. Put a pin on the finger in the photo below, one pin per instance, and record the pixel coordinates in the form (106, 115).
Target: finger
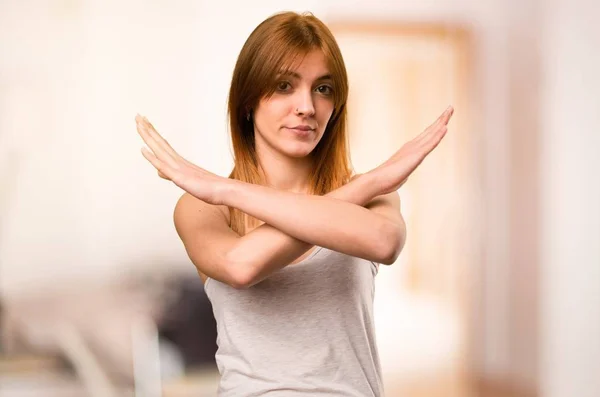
(423, 148)
(436, 127)
(435, 139)
(418, 153)
(157, 137)
(153, 144)
(147, 136)
(162, 142)
(160, 166)
(445, 117)
(442, 119)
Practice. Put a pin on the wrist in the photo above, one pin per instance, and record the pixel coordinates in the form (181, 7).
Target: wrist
(360, 191)
(226, 191)
(371, 183)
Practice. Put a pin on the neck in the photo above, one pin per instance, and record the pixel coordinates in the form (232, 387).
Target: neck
(284, 173)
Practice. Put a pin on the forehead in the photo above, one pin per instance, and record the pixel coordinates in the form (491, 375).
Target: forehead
(310, 66)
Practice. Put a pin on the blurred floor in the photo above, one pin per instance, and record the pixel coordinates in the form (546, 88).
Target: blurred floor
(453, 386)
(31, 376)
(45, 377)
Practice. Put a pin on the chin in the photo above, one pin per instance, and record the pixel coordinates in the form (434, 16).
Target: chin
(298, 150)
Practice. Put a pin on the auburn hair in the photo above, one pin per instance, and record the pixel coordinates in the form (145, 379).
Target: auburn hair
(272, 48)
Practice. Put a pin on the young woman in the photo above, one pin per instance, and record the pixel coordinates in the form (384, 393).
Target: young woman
(289, 244)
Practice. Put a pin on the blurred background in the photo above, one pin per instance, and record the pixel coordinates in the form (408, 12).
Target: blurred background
(497, 292)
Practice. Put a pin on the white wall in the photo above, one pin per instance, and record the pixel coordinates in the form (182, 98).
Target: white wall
(570, 293)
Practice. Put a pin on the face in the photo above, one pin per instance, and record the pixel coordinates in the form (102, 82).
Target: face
(292, 121)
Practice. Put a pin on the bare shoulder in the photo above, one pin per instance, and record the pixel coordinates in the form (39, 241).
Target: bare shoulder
(204, 230)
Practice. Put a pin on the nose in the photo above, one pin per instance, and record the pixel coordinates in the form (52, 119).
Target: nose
(304, 105)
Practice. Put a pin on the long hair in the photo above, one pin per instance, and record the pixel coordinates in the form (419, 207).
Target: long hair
(271, 48)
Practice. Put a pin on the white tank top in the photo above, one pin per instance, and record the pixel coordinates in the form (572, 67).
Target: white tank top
(307, 330)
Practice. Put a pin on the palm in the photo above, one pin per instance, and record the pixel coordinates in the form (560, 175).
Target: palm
(171, 166)
(394, 172)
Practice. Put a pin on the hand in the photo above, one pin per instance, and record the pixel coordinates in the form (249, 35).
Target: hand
(394, 172)
(171, 166)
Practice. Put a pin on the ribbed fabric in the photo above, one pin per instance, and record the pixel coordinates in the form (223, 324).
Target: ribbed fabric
(307, 330)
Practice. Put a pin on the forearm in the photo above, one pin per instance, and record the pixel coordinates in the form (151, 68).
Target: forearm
(319, 220)
(267, 249)
(326, 221)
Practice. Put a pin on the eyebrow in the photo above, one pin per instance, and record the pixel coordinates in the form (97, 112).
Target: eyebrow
(297, 76)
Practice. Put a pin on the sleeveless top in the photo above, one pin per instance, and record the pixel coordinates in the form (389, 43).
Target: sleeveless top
(307, 330)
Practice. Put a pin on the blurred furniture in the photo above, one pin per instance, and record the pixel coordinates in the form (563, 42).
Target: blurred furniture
(93, 334)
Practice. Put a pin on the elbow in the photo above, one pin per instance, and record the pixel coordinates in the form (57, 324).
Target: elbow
(240, 280)
(240, 284)
(391, 243)
(238, 274)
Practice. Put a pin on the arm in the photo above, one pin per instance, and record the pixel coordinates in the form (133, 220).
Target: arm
(220, 253)
(325, 221)
(267, 249)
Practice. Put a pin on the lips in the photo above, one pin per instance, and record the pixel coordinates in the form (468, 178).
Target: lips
(302, 127)
(301, 131)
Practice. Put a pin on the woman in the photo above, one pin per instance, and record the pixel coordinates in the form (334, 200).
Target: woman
(288, 246)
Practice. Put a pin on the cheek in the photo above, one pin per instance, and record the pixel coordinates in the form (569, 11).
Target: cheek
(326, 111)
(269, 113)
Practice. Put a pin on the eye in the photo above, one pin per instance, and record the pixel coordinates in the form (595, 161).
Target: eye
(325, 89)
(283, 86)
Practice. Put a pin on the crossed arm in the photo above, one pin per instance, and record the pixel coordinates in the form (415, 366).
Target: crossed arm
(293, 222)
(337, 221)
(332, 221)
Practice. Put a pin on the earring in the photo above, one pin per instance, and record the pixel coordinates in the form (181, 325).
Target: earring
(248, 116)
